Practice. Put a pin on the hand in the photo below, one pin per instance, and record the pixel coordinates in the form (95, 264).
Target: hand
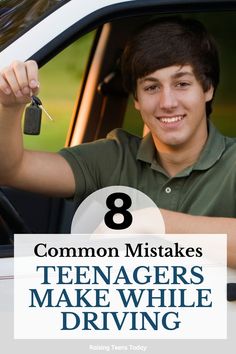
(18, 82)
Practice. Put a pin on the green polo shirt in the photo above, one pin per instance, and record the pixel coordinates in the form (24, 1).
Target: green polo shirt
(206, 188)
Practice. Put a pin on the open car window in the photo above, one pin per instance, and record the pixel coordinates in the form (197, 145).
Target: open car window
(60, 85)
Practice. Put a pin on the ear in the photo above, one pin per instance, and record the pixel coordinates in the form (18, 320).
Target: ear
(136, 104)
(209, 94)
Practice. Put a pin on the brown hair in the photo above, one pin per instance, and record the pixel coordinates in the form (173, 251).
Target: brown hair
(171, 41)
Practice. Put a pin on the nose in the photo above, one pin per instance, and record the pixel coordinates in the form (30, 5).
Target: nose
(168, 99)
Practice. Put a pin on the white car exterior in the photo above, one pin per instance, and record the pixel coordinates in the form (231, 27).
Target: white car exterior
(50, 27)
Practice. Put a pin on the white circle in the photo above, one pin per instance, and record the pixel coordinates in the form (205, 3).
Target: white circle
(89, 217)
(118, 218)
(118, 202)
(168, 190)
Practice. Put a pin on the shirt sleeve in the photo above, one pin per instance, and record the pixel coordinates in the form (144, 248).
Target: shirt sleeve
(97, 164)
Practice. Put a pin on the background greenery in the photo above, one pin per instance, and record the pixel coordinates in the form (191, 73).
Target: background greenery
(60, 82)
(223, 28)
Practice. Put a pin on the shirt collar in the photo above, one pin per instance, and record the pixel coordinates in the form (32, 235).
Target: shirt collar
(210, 154)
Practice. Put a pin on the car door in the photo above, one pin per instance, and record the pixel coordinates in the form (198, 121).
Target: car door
(40, 30)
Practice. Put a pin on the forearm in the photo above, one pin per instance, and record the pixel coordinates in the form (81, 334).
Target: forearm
(11, 141)
(180, 223)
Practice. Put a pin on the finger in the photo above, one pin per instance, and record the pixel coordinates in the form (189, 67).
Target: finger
(9, 76)
(4, 87)
(19, 69)
(32, 74)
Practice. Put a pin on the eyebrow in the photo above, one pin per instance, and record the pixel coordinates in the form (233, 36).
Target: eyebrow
(174, 76)
(182, 73)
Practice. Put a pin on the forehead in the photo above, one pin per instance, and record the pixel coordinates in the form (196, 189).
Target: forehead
(169, 73)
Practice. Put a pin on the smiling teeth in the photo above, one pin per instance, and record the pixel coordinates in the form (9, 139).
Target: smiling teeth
(171, 120)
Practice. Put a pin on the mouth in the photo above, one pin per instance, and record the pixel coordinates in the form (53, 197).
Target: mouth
(171, 119)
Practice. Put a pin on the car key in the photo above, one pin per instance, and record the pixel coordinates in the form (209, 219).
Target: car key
(32, 121)
(33, 116)
(38, 102)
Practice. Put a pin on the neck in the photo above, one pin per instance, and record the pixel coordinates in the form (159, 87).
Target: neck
(175, 159)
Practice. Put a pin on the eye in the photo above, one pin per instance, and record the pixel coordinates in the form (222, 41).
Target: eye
(183, 84)
(151, 88)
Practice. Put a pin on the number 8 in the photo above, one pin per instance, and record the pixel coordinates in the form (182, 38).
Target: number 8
(123, 210)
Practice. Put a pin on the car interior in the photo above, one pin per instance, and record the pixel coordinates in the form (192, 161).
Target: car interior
(102, 105)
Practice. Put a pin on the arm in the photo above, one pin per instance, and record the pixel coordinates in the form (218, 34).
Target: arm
(35, 171)
(183, 223)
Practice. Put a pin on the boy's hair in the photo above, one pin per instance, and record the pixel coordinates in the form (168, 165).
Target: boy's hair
(171, 41)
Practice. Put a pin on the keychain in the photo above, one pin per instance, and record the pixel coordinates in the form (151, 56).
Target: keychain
(33, 116)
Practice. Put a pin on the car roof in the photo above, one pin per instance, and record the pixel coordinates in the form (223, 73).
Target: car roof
(59, 24)
(43, 25)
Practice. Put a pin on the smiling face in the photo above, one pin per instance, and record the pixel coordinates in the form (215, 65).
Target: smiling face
(172, 104)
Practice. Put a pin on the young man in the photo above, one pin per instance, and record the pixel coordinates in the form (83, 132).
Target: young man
(184, 164)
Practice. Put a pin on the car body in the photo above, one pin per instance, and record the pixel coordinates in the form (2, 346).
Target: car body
(42, 36)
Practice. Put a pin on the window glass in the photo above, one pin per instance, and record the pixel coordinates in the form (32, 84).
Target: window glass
(60, 81)
(133, 122)
(224, 107)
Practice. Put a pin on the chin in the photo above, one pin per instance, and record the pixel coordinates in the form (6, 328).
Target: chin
(174, 141)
